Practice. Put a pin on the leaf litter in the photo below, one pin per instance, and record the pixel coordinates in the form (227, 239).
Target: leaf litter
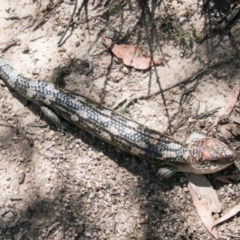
(230, 213)
(230, 102)
(205, 201)
(131, 55)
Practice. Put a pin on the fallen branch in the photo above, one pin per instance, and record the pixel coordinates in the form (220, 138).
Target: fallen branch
(129, 99)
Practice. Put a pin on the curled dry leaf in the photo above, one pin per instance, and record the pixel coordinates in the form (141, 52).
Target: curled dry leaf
(230, 213)
(131, 55)
(236, 130)
(204, 212)
(229, 104)
(230, 129)
(203, 188)
(225, 132)
(205, 200)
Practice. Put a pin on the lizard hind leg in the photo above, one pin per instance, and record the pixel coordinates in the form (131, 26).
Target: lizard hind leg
(54, 119)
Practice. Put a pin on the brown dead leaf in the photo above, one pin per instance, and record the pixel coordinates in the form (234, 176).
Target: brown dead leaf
(230, 129)
(225, 132)
(236, 130)
(131, 55)
(205, 201)
(230, 213)
(229, 104)
(203, 188)
(204, 212)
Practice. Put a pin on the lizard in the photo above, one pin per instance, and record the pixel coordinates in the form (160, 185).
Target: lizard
(200, 154)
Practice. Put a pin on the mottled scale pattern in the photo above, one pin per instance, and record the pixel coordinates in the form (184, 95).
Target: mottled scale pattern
(117, 129)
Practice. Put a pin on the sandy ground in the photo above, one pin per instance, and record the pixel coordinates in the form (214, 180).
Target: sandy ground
(71, 185)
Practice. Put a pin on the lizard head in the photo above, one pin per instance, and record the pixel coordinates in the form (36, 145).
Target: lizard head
(208, 155)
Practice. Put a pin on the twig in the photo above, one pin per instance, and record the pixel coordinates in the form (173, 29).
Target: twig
(9, 45)
(141, 96)
(36, 125)
(226, 20)
(205, 114)
(187, 92)
(70, 22)
(6, 125)
(234, 236)
(197, 110)
(180, 124)
(130, 98)
(43, 18)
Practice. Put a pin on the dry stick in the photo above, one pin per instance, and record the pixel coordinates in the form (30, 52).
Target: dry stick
(43, 18)
(131, 99)
(70, 22)
(10, 44)
(206, 114)
(182, 121)
(230, 16)
(98, 14)
(180, 124)
(234, 236)
(179, 83)
(6, 125)
(188, 79)
(187, 92)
